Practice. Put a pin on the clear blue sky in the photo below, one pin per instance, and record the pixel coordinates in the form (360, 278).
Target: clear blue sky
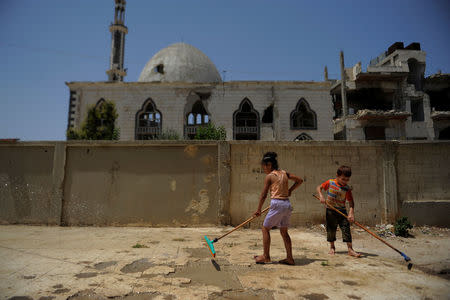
(47, 42)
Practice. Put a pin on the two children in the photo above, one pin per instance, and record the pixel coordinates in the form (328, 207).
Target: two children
(276, 181)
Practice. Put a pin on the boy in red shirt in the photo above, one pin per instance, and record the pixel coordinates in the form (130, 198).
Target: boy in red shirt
(338, 192)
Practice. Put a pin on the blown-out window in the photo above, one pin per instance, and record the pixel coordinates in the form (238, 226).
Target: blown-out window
(148, 121)
(197, 117)
(246, 122)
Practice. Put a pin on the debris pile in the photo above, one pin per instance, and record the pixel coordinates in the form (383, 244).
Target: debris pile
(440, 115)
(365, 114)
(385, 230)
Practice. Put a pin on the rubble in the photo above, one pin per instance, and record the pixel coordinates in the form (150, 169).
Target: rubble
(365, 114)
(440, 115)
(385, 230)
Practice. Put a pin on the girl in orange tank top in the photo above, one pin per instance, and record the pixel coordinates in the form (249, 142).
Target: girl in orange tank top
(277, 181)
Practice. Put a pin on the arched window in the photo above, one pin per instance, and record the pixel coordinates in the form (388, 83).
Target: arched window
(197, 117)
(148, 121)
(303, 137)
(303, 117)
(98, 108)
(100, 103)
(246, 122)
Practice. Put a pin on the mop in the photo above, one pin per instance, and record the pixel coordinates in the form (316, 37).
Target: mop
(210, 243)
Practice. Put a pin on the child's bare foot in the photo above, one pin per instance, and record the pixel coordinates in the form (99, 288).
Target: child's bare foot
(332, 251)
(287, 261)
(261, 259)
(353, 253)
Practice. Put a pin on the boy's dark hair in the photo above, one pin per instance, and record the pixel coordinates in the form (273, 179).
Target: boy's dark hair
(272, 158)
(344, 170)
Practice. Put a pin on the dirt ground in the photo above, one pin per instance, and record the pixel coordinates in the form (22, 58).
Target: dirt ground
(81, 263)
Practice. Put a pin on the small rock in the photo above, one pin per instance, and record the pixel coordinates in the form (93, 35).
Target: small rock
(181, 280)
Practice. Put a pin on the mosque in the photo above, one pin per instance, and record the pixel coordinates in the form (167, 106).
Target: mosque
(180, 89)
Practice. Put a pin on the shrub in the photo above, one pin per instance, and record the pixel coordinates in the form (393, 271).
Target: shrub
(402, 226)
(211, 132)
(169, 134)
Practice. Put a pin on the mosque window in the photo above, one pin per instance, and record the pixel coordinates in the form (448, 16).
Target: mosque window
(99, 103)
(197, 117)
(303, 117)
(303, 137)
(98, 107)
(246, 122)
(159, 69)
(148, 121)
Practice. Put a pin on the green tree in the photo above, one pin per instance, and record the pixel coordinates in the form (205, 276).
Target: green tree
(98, 125)
(211, 132)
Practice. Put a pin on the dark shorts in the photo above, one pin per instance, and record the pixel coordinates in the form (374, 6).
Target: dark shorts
(333, 220)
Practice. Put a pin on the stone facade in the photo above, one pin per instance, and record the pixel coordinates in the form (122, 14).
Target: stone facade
(175, 100)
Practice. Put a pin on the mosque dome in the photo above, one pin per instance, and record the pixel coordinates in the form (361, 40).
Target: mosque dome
(180, 62)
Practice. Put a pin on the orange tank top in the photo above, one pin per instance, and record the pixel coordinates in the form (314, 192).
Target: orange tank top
(279, 188)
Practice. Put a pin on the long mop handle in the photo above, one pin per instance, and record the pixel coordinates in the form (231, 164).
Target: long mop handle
(364, 228)
(239, 226)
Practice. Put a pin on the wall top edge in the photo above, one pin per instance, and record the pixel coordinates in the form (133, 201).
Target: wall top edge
(194, 84)
(214, 143)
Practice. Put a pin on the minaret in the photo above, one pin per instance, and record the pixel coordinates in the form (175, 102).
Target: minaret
(118, 30)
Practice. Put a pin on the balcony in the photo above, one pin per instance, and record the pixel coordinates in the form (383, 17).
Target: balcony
(191, 129)
(246, 129)
(149, 130)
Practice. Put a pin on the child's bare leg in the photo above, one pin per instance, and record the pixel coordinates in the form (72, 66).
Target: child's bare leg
(352, 252)
(332, 249)
(266, 244)
(288, 245)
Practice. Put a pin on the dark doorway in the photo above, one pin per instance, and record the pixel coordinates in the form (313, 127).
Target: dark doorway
(445, 134)
(375, 133)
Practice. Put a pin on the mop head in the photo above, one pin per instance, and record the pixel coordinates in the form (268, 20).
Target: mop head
(210, 245)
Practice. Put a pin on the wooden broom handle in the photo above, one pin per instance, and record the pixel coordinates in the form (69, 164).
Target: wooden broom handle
(245, 222)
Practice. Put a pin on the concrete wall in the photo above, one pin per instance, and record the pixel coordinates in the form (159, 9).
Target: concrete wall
(423, 171)
(166, 184)
(28, 192)
(316, 162)
(205, 183)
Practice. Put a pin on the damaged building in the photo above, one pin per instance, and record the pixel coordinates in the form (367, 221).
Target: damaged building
(391, 100)
(180, 89)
